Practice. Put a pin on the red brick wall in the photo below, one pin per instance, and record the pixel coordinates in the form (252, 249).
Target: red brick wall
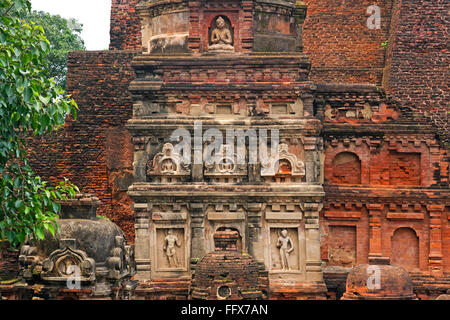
(418, 58)
(341, 46)
(125, 32)
(342, 246)
(405, 249)
(404, 169)
(100, 154)
(95, 151)
(346, 169)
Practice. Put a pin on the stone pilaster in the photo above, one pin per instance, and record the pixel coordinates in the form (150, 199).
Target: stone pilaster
(247, 34)
(194, 26)
(197, 213)
(311, 158)
(255, 243)
(140, 159)
(313, 260)
(142, 241)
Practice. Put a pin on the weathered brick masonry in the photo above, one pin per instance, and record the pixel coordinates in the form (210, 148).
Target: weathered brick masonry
(95, 151)
(386, 170)
(418, 59)
(125, 26)
(341, 47)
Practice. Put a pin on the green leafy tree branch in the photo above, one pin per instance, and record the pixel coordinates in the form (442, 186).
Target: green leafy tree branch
(30, 103)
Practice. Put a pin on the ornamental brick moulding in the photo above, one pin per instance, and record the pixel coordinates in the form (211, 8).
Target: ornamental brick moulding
(217, 78)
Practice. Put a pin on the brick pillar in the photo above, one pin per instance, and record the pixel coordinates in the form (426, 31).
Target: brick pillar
(247, 32)
(194, 30)
(313, 259)
(375, 249)
(435, 262)
(142, 241)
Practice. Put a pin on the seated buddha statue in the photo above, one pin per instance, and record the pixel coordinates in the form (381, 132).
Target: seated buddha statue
(221, 38)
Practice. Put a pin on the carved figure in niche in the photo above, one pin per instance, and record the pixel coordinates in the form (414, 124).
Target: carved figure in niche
(367, 112)
(278, 162)
(171, 241)
(168, 162)
(167, 166)
(225, 162)
(286, 246)
(221, 38)
(226, 165)
(64, 264)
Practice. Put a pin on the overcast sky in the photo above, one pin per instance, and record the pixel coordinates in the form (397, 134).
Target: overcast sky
(93, 14)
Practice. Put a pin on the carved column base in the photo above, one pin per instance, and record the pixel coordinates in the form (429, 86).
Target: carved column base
(314, 271)
(436, 266)
(142, 270)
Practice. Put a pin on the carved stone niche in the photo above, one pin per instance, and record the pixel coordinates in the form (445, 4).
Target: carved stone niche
(62, 263)
(90, 249)
(143, 109)
(169, 242)
(283, 167)
(170, 249)
(226, 167)
(221, 35)
(285, 250)
(168, 166)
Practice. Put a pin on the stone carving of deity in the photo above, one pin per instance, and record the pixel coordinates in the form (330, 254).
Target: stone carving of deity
(226, 165)
(221, 38)
(168, 166)
(171, 242)
(286, 246)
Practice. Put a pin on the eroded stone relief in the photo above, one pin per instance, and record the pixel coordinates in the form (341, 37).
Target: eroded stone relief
(284, 249)
(170, 246)
(286, 246)
(283, 164)
(167, 164)
(171, 242)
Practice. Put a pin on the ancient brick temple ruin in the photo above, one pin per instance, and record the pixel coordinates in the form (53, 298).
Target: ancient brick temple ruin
(363, 172)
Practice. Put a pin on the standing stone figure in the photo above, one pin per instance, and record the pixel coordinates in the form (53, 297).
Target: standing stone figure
(221, 36)
(170, 243)
(286, 246)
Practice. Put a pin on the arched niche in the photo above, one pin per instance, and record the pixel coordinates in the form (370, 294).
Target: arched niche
(405, 249)
(222, 33)
(346, 169)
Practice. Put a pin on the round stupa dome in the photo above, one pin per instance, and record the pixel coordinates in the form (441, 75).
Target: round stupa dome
(226, 273)
(378, 282)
